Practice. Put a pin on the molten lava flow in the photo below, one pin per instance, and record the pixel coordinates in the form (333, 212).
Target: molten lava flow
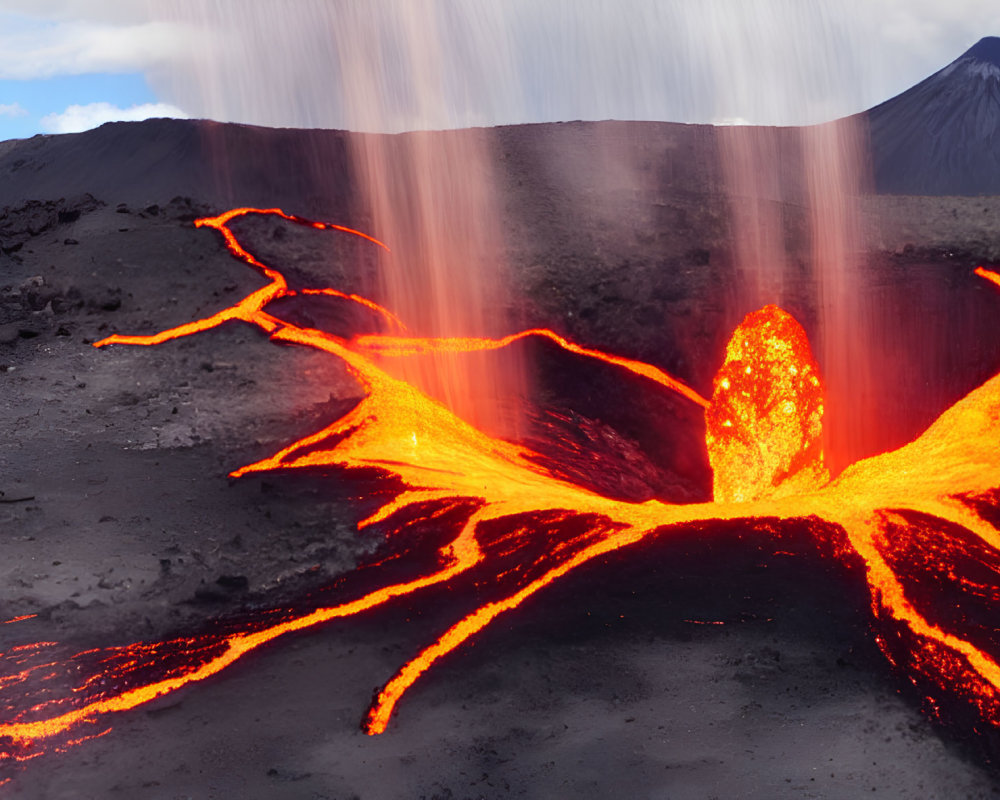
(19, 619)
(990, 276)
(515, 528)
(400, 347)
(764, 427)
(249, 309)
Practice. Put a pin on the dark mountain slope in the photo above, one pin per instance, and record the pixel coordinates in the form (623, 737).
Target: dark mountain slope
(942, 137)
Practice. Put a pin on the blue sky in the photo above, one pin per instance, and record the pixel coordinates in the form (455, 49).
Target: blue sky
(67, 65)
(28, 107)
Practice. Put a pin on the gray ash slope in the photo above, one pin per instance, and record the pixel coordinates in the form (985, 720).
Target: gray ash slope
(942, 136)
(156, 160)
(227, 163)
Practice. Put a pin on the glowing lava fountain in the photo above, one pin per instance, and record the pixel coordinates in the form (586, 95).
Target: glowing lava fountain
(922, 518)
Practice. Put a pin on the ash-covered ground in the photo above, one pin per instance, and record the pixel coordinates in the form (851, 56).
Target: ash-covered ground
(703, 665)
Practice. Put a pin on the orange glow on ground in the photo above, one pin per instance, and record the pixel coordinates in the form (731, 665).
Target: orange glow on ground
(516, 528)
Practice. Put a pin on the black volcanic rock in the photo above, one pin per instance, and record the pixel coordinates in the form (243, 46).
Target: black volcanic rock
(942, 136)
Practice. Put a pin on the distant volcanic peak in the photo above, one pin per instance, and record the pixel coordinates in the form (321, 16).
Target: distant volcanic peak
(939, 137)
(986, 49)
(982, 59)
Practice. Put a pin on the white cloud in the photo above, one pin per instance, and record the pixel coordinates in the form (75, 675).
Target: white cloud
(109, 10)
(36, 48)
(12, 110)
(82, 118)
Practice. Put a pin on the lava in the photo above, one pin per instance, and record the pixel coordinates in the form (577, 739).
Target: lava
(511, 527)
(764, 427)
